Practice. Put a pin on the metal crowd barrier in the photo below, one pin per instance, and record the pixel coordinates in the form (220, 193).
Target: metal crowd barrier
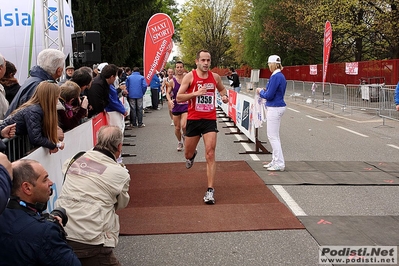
(376, 99)
(18, 147)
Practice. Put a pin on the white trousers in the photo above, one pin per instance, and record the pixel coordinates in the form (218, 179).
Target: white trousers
(117, 119)
(273, 121)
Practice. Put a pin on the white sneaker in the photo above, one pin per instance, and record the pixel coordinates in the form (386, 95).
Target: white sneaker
(179, 146)
(172, 124)
(268, 165)
(208, 198)
(275, 168)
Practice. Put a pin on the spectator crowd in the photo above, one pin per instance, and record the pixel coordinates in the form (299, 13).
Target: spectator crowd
(54, 99)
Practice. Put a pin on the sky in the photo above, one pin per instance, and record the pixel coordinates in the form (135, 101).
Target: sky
(180, 2)
(175, 48)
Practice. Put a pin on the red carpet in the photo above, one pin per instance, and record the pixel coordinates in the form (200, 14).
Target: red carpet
(166, 198)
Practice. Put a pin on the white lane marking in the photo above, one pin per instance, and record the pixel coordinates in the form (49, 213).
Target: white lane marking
(338, 116)
(311, 117)
(393, 146)
(293, 110)
(291, 203)
(354, 132)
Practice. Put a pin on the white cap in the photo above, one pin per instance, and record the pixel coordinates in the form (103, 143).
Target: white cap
(274, 59)
(101, 66)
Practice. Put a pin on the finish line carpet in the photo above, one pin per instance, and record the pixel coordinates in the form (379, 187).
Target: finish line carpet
(166, 198)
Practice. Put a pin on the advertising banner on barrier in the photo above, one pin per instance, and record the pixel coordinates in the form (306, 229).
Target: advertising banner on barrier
(78, 139)
(22, 31)
(157, 42)
(232, 105)
(244, 115)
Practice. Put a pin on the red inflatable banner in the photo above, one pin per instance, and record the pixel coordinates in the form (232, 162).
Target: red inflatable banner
(326, 50)
(157, 43)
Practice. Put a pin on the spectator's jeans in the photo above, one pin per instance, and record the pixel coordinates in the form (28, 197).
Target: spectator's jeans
(136, 111)
(237, 89)
(273, 120)
(154, 98)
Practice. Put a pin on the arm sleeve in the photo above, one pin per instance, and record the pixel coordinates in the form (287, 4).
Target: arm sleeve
(123, 197)
(115, 104)
(270, 92)
(5, 188)
(33, 122)
(55, 249)
(144, 84)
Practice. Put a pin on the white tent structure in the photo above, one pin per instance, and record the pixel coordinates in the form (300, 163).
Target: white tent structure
(28, 27)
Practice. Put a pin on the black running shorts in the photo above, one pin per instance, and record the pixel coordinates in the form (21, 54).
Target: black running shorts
(200, 127)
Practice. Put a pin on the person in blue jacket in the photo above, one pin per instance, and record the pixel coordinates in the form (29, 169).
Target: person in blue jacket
(115, 112)
(397, 97)
(155, 85)
(27, 235)
(136, 87)
(275, 104)
(5, 181)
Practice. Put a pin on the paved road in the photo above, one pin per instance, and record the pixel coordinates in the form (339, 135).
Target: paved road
(308, 133)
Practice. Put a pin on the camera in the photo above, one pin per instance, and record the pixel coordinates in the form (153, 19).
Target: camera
(60, 212)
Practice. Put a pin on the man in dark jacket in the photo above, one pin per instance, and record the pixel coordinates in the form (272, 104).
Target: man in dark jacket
(235, 84)
(98, 94)
(5, 181)
(50, 65)
(27, 237)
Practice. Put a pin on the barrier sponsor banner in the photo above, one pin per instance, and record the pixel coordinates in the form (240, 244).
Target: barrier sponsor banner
(244, 115)
(157, 42)
(98, 121)
(23, 33)
(232, 105)
(78, 139)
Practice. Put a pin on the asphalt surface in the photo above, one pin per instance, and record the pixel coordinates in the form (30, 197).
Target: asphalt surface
(308, 133)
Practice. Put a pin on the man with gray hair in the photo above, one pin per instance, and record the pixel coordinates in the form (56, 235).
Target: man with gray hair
(50, 65)
(95, 187)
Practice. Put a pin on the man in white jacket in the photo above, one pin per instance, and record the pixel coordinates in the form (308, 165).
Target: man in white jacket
(95, 187)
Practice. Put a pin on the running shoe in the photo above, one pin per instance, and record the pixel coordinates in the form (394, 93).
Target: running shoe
(190, 162)
(268, 165)
(275, 168)
(180, 146)
(208, 198)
